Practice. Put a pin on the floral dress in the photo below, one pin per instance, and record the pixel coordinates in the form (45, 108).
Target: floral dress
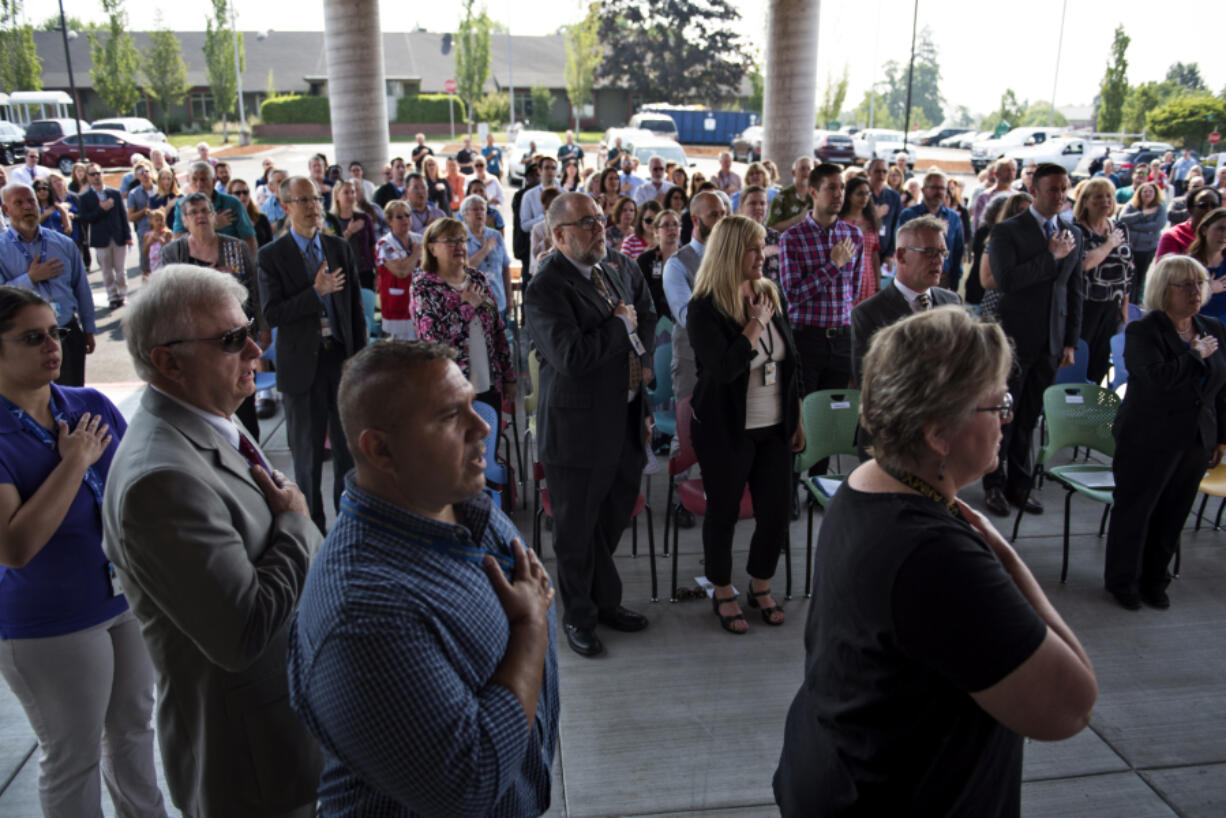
(443, 317)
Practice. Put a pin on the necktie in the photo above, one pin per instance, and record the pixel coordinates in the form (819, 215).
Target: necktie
(636, 366)
(251, 454)
(923, 302)
(1049, 230)
(327, 319)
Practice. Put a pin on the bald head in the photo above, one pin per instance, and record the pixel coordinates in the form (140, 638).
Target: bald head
(706, 209)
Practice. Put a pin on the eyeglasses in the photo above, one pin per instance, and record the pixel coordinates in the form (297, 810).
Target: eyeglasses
(930, 253)
(588, 223)
(1189, 286)
(232, 341)
(36, 338)
(1005, 410)
(305, 200)
(453, 241)
(1204, 204)
(240, 192)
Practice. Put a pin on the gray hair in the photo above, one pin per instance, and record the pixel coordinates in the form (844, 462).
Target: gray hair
(921, 224)
(1168, 271)
(194, 197)
(165, 308)
(198, 166)
(13, 187)
(473, 201)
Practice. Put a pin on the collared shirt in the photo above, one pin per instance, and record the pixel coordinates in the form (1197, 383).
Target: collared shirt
(1179, 171)
(226, 427)
(493, 264)
(240, 228)
(27, 176)
(648, 191)
(272, 209)
(955, 242)
(677, 289)
(1052, 225)
(419, 220)
(787, 205)
(819, 293)
(68, 292)
(397, 686)
(909, 293)
(530, 209)
(632, 180)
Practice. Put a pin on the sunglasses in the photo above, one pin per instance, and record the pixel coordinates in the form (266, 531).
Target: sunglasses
(240, 193)
(93, 173)
(36, 338)
(231, 341)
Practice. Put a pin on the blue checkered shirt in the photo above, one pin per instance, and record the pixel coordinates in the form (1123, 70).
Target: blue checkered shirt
(390, 658)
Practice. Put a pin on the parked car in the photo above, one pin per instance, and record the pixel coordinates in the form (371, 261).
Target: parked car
(964, 140)
(1064, 151)
(45, 131)
(876, 143)
(661, 125)
(12, 142)
(110, 149)
(988, 151)
(547, 142)
(669, 150)
(1128, 158)
(748, 146)
(1095, 149)
(832, 146)
(130, 124)
(935, 135)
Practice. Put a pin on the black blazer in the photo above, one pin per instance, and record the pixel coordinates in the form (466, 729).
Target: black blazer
(291, 305)
(1041, 304)
(723, 354)
(105, 226)
(584, 353)
(1174, 399)
(880, 310)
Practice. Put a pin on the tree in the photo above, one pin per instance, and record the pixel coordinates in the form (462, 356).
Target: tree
(833, 96)
(116, 61)
(757, 95)
(1010, 111)
(472, 58)
(1114, 85)
(219, 62)
(583, 54)
(679, 51)
(1039, 113)
(1144, 98)
(52, 23)
(1186, 76)
(963, 117)
(21, 69)
(542, 105)
(165, 70)
(1188, 119)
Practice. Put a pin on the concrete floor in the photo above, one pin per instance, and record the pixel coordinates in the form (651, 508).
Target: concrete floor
(685, 720)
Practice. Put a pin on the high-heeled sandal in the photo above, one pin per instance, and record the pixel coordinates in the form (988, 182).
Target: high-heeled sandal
(766, 612)
(725, 622)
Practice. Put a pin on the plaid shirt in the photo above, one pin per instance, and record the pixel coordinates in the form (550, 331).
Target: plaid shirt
(391, 655)
(819, 294)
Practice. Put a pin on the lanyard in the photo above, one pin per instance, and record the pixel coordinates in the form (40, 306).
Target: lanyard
(91, 479)
(12, 235)
(397, 529)
(923, 487)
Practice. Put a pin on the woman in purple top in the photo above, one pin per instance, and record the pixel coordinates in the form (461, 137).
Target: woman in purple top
(70, 649)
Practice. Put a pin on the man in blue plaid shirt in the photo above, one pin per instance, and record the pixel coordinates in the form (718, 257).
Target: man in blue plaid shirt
(422, 655)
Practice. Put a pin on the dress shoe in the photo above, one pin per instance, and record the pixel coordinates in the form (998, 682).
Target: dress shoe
(1156, 599)
(1030, 505)
(995, 500)
(684, 517)
(584, 641)
(1129, 600)
(622, 619)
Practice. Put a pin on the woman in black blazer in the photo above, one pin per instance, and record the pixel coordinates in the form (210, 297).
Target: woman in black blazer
(1171, 427)
(746, 411)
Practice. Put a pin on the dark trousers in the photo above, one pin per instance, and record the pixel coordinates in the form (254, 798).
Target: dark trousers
(309, 417)
(1141, 259)
(763, 459)
(825, 363)
(1154, 490)
(591, 508)
(1099, 321)
(1031, 375)
(72, 356)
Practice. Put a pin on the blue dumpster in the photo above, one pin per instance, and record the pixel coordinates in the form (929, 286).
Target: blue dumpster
(706, 127)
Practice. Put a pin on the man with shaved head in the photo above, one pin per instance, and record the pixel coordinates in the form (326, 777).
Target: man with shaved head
(592, 322)
(425, 633)
(706, 209)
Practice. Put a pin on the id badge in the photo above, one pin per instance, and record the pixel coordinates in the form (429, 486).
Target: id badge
(770, 373)
(59, 311)
(637, 343)
(116, 583)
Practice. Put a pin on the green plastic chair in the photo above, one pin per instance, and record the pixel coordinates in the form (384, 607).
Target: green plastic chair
(830, 418)
(530, 401)
(1078, 415)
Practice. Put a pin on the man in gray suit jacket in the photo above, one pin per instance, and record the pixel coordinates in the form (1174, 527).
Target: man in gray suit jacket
(921, 255)
(212, 548)
(309, 293)
(591, 321)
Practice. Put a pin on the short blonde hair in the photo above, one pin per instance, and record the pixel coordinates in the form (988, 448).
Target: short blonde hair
(395, 206)
(1169, 271)
(1087, 189)
(719, 275)
(931, 367)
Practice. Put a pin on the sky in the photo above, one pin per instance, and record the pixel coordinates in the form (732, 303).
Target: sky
(984, 47)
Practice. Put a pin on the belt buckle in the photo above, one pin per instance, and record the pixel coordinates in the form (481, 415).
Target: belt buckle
(832, 332)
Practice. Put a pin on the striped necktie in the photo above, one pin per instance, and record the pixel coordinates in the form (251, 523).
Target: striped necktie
(636, 365)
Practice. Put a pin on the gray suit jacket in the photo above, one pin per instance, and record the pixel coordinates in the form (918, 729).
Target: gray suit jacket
(880, 310)
(584, 353)
(214, 579)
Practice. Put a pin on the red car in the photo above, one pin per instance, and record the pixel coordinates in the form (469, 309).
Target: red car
(110, 149)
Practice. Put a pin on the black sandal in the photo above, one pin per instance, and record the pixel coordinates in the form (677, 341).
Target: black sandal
(766, 612)
(725, 622)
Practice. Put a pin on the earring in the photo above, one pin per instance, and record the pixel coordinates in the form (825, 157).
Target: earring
(941, 470)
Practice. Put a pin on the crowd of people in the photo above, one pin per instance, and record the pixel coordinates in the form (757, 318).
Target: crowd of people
(253, 623)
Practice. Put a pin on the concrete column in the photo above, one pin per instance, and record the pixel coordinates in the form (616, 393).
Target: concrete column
(353, 44)
(790, 105)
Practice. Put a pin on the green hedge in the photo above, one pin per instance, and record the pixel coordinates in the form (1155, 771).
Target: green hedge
(428, 108)
(295, 109)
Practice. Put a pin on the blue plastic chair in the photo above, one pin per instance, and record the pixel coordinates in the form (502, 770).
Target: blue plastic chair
(268, 380)
(375, 328)
(1078, 372)
(1117, 361)
(495, 472)
(660, 397)
(1134, 311)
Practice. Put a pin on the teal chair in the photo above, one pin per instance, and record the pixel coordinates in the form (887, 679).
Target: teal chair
(368, 305)
(830, 418)
(662, 395)
(1078, 415)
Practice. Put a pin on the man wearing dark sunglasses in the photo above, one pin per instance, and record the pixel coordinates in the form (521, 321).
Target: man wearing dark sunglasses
(49, 263)
(212, 546)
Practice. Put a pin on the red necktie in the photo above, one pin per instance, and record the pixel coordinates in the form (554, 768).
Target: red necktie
(250, 453)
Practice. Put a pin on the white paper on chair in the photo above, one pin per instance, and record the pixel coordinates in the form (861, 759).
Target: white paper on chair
(840, 404)
(1092, 478)
(709, 587)
(828, 486)
(1074, 399)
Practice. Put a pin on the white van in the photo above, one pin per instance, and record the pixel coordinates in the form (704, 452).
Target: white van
(662, 125)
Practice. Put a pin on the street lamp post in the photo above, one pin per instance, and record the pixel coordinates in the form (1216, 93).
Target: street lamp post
(1051, 114)
(244, 137)
(72, 85)
(906, 128)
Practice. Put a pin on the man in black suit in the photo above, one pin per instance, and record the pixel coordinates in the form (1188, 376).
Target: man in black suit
(1036, 260)
(921, 255)
(309, 293)
(592, 322)
(110, 234)
(521, 240)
